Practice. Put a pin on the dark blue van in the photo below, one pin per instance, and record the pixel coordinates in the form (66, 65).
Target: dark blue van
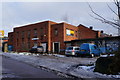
(89, 49)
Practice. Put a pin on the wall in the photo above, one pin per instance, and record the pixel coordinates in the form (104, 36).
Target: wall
(86, 33)
(59, 37)
(70, 27)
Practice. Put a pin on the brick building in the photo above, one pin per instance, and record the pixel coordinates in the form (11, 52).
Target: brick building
(50, 35)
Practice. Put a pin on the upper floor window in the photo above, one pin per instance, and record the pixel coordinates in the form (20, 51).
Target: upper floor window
(76, 33)
(35, 32)
(22, 34)
(41, 31)
(29, 34)
(69, 32)
(17, 35)
(11, 39)
(56, 32)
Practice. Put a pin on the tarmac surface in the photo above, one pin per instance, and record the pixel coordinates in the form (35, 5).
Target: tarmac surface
(12, 68)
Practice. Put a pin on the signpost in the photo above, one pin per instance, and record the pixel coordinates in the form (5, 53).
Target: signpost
(1, 33)
(1, 36)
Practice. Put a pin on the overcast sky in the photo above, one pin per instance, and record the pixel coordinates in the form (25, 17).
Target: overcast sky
(15, 14)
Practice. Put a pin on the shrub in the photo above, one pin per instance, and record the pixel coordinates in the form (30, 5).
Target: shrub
(108, 65)
(114, 67)
(102, 64)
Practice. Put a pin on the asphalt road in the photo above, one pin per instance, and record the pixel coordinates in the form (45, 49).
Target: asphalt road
(22, 70)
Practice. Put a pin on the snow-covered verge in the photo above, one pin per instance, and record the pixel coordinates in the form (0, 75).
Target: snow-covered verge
(68, 65)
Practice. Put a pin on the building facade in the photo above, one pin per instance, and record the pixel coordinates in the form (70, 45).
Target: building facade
(50, 35)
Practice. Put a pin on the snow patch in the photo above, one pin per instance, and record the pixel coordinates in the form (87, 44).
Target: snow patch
(104, 56)
(107, 55)
(88, 68)
(58, 55)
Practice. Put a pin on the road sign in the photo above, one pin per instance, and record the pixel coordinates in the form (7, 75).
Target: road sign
(1, 33)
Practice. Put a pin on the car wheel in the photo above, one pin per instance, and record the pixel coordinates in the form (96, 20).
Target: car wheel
(92, 55)
(76, 55)
(67, 55)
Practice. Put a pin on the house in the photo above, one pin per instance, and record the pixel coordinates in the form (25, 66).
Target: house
(49, 34)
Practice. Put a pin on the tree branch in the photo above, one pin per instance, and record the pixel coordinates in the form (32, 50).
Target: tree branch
(112, 10)
(115, 25)
(103, 20)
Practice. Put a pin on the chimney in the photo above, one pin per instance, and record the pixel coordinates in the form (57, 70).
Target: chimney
(91, 27)
(102, 31)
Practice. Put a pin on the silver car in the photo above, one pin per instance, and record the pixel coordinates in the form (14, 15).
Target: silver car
(72, 51)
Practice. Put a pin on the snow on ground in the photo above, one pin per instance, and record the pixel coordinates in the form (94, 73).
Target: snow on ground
(75, 66)
(88, 68)
(107, 55)
(58, 55)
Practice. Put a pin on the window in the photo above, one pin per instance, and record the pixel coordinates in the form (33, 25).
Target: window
(76, 48)
(69, 32)
(35, 33)
(22, 39)
(56, 32)
(22, 34)
(94, 47)
(76, 34)
(17, 42)
(11, 38)
(69, 48)
(29, 34)
(41, 31)
(41, 37)
(28, 45)
(17, 34)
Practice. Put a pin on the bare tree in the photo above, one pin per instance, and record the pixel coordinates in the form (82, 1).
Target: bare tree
(115, 22)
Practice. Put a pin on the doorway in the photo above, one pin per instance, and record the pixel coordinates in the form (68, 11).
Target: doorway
(56, 47)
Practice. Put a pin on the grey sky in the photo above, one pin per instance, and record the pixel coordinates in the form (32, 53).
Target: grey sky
(15, 14)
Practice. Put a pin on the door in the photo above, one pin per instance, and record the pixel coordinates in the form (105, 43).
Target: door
(56, 47)
(95, 50)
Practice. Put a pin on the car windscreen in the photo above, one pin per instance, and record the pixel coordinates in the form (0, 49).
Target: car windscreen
(69, 48)
(76, 48)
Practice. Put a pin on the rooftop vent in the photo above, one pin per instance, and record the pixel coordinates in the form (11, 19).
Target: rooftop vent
(91, 27)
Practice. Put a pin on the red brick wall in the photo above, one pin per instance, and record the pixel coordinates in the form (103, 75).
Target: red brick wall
(49, 35)
(45, 25)
(59, 37)
(70, 27)
(86, 33)
(11, 38)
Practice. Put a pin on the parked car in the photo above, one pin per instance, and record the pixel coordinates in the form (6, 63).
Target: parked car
(72, 51)
(89, 49)
(37, 49)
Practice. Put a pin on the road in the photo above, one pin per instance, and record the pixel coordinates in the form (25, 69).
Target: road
(13, 68)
